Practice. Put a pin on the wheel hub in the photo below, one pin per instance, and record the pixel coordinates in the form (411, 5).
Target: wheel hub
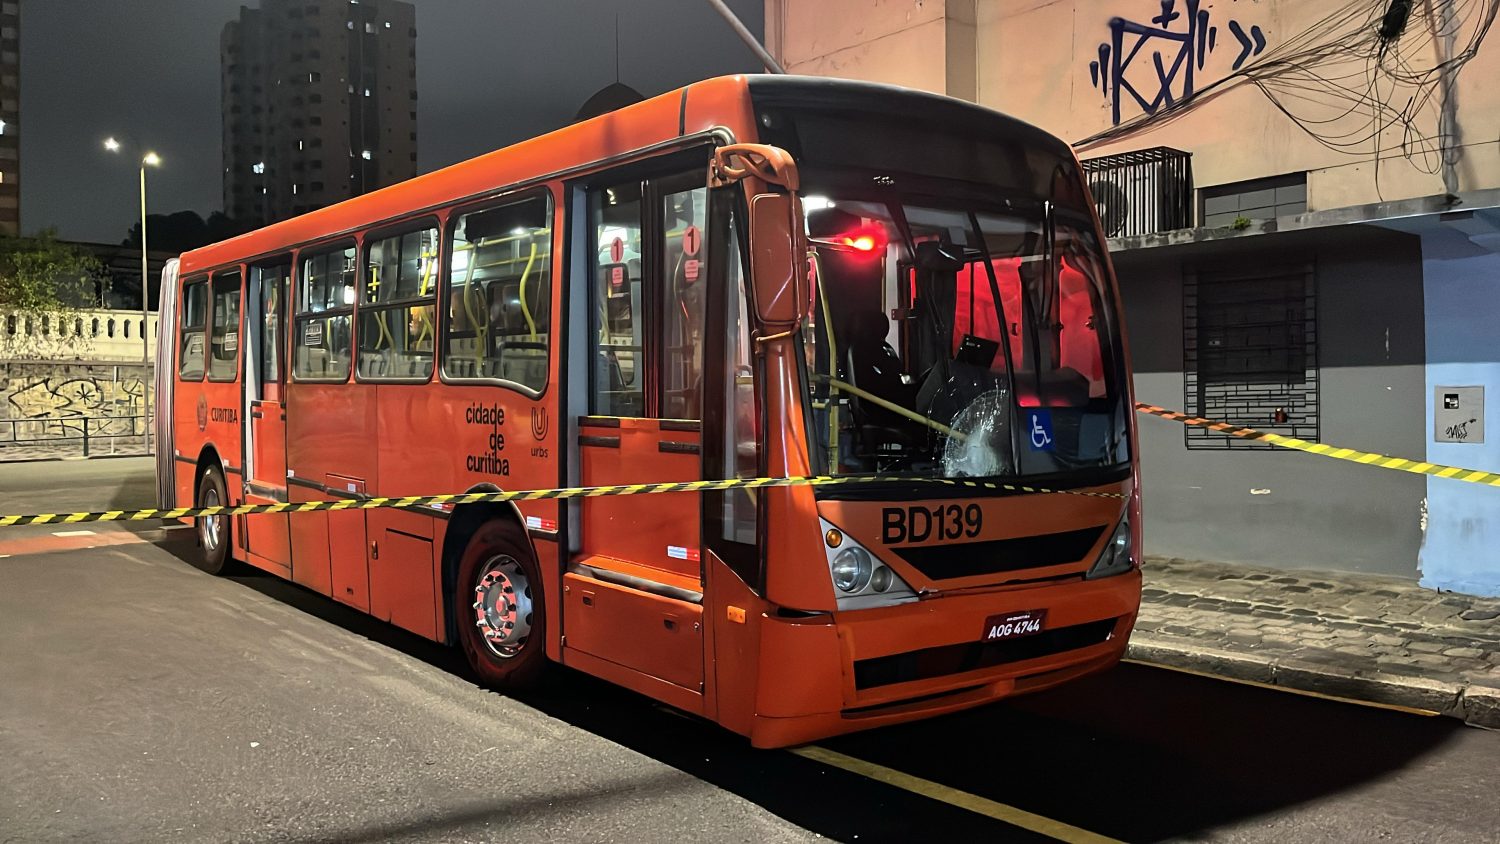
(210, 528)
(502, 606)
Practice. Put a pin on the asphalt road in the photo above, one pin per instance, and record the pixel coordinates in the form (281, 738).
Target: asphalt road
(141, 700)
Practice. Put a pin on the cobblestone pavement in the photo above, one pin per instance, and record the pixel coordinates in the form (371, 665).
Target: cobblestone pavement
(1381, 639)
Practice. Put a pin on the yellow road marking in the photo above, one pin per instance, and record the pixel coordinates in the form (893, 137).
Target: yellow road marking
(953, 797)
(1409, 710)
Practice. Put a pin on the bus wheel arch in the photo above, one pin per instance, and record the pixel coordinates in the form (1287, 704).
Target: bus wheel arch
(495, 594)
(208, 458)
(463, 523)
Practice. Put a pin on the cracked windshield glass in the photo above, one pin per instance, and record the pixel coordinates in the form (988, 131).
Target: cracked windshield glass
(958, 342)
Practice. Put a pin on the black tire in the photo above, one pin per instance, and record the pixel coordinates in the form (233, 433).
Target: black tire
(212, 531)
(504, 658)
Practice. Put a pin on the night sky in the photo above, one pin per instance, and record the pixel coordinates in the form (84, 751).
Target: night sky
(489, 73)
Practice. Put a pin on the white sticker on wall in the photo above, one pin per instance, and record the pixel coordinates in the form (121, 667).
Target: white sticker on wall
(1458, 415)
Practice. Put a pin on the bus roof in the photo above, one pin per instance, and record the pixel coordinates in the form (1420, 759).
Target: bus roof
(714, 102)
(723, 101)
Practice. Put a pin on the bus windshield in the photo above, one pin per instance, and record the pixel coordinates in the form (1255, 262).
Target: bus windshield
(958, 336)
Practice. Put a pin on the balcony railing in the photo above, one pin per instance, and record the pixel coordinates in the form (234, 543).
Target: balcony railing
(1142, 192)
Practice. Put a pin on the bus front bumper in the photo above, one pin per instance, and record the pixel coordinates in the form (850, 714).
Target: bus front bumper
(884, 666)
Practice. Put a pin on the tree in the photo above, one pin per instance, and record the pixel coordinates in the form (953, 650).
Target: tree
(42, 274)
(184, 231)
(42, 280)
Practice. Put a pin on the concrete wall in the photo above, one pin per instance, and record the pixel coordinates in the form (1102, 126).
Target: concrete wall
(1462, 292)
(1032, 58)
(49, 400)
(1308, 512)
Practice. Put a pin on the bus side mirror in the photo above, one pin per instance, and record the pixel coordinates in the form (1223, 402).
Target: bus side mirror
(778, 261)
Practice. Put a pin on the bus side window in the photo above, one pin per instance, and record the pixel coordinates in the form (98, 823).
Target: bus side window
(740, 416)
(194, 321)
(273, 283)
(224, 339)
(325, 303)
(397, 315)
(499, 295)
(684, 217)
(619, 382)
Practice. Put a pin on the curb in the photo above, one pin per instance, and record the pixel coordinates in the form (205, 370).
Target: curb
(1477, 706)
(73, 457)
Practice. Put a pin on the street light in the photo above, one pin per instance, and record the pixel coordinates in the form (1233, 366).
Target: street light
(148, 159)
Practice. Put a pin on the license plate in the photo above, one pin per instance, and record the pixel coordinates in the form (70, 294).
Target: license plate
(1014, 625)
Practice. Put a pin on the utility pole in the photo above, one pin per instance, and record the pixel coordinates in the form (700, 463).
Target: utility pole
(755, 46)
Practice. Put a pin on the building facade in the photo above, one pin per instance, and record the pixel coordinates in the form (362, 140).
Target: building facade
(319, 104)
(10, 117)
(1303, 201)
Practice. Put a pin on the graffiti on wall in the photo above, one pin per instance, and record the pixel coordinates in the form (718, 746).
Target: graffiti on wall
(54, 401)
(1154, 64)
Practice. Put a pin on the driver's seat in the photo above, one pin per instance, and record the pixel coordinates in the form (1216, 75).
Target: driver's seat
(873, 366)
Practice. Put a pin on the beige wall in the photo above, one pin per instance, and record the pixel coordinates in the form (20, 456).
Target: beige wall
(1031, 58)
(927, 44)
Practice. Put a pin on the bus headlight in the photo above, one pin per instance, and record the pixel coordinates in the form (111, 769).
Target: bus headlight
(860, 579)
(1118, 557)
(852, 569)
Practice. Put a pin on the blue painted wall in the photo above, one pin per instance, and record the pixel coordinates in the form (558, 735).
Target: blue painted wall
(1461, 290)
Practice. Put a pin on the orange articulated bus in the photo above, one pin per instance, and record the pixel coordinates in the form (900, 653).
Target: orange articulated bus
(750, 277)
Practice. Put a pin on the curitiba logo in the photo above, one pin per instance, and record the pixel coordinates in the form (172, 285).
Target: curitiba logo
(490, 418)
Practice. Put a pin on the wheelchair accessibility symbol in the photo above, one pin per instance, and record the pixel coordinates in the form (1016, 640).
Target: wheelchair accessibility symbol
(1040, 424)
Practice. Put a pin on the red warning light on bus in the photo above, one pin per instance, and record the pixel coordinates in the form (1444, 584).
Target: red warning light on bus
(865, 239)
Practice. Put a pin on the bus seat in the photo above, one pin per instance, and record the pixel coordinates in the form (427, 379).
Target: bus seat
(316, 362)
(875, 369)
(372, 364)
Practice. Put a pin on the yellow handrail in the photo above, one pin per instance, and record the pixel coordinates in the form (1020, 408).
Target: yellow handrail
(526, 306)
(893, 407)
(429, 272)
(833, 361)
(385, 331)
(480, 329)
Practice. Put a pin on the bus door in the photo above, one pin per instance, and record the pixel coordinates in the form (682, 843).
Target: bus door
(636, 582)
(265, 420)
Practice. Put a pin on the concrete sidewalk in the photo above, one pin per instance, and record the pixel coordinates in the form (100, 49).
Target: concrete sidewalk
(1379, 639)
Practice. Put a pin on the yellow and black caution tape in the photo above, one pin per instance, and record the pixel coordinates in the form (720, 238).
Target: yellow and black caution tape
(440, 501)
(1368, 458)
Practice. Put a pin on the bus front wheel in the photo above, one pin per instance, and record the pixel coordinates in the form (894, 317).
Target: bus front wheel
(213, 531)
(499, 609)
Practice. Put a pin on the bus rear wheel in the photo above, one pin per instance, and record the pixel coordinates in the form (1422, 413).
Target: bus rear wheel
(213, 531)
(499, 609)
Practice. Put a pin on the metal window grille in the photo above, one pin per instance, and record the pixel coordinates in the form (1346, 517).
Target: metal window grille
(1142, 192)
(1250, 344)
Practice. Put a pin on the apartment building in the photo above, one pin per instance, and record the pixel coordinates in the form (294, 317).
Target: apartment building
(319, 104)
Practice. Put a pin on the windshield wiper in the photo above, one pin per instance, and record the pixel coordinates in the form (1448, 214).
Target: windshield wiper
(1010, 364)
